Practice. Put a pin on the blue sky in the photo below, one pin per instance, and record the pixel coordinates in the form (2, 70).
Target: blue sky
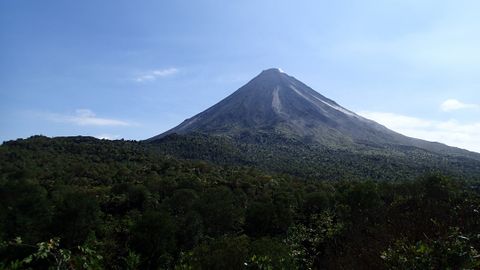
(133, 69)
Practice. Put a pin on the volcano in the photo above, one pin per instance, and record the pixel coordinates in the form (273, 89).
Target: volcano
(276, 103)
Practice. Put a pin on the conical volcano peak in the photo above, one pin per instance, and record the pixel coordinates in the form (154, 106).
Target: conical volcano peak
(276, 102)
(272, 73)
(279, 106)
(269, 79)
(273, 70)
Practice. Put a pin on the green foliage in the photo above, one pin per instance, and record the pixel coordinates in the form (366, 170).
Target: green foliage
(136, 196)
(219, 211)
(76, 215)
(88, 256)
(132, 261)
(83, 203)
(50, 250)
(221, 253)
(24, 209)
(309, 241)
(280, 154)
(270, 253)
(50, 254)
(153, 238)
(455, 251)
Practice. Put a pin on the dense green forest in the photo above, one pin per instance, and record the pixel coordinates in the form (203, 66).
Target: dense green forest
(277, 153)
(84, 203)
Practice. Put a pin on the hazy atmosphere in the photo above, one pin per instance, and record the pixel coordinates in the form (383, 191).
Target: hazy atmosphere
(124, 69)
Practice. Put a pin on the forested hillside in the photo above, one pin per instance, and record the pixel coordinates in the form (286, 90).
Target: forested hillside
(84, 203)
(307, 159)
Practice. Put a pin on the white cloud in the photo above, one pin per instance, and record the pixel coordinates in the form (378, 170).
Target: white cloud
(86, 117)
(453, 104)
(107, 136)
(153, 75)
(450, 132)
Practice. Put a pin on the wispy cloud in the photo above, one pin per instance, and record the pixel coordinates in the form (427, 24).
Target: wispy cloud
(453, 105)
(450, 132)
(86, 117)
(153, 75)
(107, 136)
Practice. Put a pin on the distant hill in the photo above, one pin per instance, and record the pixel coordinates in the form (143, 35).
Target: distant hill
(314, 161)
